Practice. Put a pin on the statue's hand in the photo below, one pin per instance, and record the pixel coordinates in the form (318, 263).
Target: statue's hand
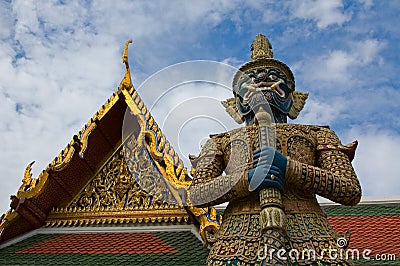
(269, 170)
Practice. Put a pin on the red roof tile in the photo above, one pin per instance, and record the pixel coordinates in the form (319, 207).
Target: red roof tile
(380, 234)
(102, 243)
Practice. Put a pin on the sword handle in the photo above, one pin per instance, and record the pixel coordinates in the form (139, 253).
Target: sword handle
(272, 215)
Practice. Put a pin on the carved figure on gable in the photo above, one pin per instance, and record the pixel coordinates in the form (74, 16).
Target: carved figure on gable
(273, 172)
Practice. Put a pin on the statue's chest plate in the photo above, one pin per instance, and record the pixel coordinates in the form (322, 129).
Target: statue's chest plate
(295, 141)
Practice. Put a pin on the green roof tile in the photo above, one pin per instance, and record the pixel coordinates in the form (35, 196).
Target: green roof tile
(191, 252)
(362, 210)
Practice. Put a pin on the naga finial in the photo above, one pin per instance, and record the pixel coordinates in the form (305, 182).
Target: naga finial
(126, 82)
(261, 48)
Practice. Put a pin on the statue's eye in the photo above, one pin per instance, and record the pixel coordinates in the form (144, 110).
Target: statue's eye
(273, 77)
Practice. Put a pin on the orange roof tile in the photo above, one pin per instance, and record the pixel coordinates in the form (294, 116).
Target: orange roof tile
(380, 234)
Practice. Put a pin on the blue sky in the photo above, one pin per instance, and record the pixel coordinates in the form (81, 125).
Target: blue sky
(61, 60)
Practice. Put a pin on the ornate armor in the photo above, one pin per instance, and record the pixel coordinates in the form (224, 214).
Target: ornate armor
(318, 164)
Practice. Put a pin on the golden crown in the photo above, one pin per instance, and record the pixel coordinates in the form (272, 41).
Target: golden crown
(262, 56)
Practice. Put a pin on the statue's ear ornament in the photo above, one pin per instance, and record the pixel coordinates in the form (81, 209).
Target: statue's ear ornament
(231, 108)
(299, 100)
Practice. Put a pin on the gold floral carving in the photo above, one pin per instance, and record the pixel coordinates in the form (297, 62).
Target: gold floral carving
(157, 144)
(115, 196)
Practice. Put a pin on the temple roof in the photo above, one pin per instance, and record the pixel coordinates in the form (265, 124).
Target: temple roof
(91, 181)
(144, 248)
(372, 226)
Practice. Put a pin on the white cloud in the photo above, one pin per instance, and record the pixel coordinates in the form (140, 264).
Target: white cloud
(366, 3)
(324, 13)
(349, 83)
(5, 20)
(367, 51)
(341, 68)
(321, 112)
(376, 103)
(27, 21)
(377, 160)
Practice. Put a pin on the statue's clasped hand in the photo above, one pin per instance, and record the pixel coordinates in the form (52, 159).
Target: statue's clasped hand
(269, 169)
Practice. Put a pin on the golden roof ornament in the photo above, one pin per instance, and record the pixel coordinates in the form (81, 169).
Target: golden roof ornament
(261, 48)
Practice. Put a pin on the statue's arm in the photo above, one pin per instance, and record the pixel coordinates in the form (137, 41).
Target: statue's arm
(210, 186)
(334, 177)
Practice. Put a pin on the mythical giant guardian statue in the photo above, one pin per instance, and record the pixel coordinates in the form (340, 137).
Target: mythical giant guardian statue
(270, 173)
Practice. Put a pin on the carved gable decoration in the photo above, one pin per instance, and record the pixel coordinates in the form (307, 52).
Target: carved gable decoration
(113, 195)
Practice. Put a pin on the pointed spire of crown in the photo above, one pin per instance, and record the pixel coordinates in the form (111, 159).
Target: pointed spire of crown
(261, 48)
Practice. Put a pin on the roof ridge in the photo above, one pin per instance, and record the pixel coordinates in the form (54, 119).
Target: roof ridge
(366, 200)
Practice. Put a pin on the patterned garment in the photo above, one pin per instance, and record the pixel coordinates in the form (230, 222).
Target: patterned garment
(318, 164)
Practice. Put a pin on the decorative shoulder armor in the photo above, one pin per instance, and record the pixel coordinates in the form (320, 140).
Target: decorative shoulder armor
(212, 147)
(327, 140)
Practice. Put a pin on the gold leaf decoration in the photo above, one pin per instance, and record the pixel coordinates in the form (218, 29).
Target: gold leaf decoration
(114, 194)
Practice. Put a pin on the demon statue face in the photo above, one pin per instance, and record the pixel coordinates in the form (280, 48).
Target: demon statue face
(266, 88)
(266, 83)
